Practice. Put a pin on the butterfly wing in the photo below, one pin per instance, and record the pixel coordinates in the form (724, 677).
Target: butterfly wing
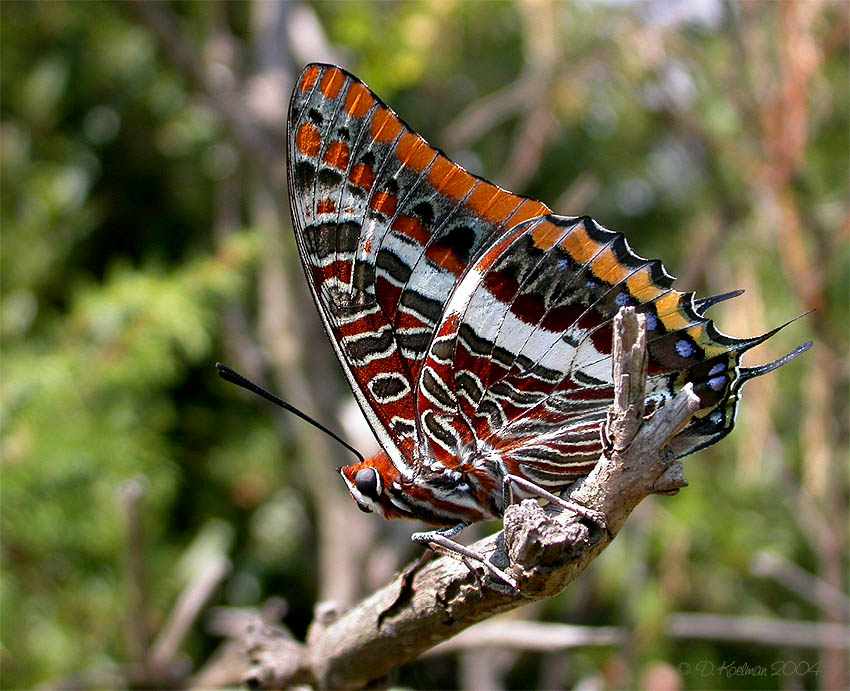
(520, 369)
(385, 225)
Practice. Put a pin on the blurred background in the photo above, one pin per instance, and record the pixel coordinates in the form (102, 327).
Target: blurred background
(149, 509)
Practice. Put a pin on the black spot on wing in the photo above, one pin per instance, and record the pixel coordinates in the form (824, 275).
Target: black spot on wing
(388, 386)
(370, 345)
(363, 274)
(329, 178)
(425, 212)
(305, 174)
(443, 349)
(437, 389)
(473, 342)
(401, 427)
(429, 310)
(460, 240)
(328, 238)
(388, 262)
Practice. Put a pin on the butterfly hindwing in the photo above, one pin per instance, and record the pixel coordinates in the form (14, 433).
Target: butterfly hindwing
(521, 365)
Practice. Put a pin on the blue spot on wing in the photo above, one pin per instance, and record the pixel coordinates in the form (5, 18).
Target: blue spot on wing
(684, 348)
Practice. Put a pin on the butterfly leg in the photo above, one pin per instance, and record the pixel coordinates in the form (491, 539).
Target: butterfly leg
(507, 491)
(510, 480)
(440, 541)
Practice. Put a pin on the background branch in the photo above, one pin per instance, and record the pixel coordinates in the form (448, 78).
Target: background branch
(549, 638)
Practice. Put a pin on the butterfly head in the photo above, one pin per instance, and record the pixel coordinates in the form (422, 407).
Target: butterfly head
(370, 482)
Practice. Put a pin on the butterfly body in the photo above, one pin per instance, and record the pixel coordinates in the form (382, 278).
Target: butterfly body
(434, 494)
(473, 324)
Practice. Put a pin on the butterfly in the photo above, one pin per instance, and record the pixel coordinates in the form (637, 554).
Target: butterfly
(475, 325)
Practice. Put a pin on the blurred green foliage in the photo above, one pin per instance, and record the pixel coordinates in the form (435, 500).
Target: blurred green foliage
(115, 286)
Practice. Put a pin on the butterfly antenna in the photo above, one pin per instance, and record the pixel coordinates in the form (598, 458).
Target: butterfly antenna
(235, 378)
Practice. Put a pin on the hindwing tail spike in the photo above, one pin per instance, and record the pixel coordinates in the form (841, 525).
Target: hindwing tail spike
(747, 373)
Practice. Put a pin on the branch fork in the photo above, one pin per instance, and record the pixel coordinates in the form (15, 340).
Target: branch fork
(543, 547)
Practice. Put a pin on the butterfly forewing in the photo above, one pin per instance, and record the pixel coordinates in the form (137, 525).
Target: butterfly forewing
(386, 225)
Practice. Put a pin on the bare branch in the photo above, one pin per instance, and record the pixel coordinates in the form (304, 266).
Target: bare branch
(808, 586)
(186, 610)
(778, 632)
(138, 635)
(551, 638)
(531, 635)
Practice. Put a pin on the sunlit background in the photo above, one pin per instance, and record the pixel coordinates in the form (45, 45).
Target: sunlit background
(146, 235)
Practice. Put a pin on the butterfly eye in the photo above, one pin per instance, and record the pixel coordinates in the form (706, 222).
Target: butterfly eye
(366, 482)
